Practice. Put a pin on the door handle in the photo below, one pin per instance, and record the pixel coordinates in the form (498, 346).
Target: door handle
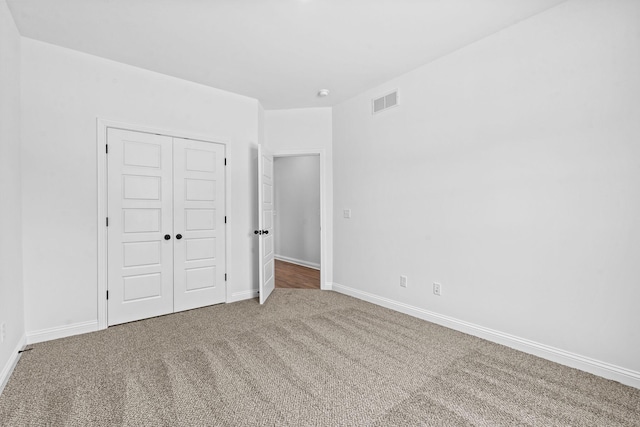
(260, 232)
(178, 236)
(167, 236)
(265, 231)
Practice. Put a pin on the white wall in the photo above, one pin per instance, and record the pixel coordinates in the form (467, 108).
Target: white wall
(297, 207)
(11, 287)
(306, 129)
(63, 92)
(509, 173)
(255, 256)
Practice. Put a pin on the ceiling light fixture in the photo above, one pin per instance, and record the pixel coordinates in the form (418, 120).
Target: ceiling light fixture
(323, 92)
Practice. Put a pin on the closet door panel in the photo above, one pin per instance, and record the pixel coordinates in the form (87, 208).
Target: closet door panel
(140, 209)
(199, 227)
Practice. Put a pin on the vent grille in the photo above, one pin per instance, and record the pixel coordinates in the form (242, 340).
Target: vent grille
(384, 102)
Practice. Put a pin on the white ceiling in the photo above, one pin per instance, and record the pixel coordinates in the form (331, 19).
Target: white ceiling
(278, 51)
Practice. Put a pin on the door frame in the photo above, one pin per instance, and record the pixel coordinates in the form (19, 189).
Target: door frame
(102, 179)
(323, 204)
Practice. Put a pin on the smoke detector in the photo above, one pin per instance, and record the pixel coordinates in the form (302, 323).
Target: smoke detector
(323, 92)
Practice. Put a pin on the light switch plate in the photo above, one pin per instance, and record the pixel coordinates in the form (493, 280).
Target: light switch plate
(346, 213)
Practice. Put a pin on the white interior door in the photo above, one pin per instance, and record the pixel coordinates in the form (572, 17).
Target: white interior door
(140, 215)
(265, 223)
(199, 218)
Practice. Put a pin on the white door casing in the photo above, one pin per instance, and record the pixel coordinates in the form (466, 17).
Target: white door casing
(199, 218)
(140, 212)
(265, 223)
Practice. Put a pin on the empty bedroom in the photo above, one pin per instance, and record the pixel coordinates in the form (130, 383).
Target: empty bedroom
(319, 213)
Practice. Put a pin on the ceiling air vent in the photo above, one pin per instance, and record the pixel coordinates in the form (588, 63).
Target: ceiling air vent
(384, 102)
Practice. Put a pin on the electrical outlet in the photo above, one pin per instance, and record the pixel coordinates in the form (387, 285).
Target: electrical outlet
(3, 331)
(403, 281)
(437, 288)
(346, 213)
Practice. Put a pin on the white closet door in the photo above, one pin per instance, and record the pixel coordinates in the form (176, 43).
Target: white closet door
(140, 206)
(199, 224)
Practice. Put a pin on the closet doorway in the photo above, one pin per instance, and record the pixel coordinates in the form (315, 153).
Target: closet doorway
(297, 221)
(165, 224)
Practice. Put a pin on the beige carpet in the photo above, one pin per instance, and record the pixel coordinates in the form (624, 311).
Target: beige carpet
(306, 358)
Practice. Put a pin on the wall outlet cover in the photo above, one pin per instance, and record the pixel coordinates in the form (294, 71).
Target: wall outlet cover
(437, 289)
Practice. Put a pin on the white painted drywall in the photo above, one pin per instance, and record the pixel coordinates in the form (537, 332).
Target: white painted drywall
(510, 174)
(307, 129)
(63, 92)
(297, 207)
(11, 286)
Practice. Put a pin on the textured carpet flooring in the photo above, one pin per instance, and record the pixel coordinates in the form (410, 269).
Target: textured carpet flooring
(306, 358)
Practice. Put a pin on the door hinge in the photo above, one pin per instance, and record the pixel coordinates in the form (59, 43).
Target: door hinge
(107, 221)
(225, 161)
(107, 148)
(225, 277)
(225, 219)
(107, 294)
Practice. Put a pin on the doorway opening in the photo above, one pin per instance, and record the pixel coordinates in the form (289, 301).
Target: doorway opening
(297, 221)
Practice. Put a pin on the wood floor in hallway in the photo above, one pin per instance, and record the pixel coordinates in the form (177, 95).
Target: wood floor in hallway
(293, 276)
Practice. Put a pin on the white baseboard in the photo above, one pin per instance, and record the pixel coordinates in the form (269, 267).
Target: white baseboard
(587, 364)
(7, 369)
(61, 331)
(298, 262)
(240, 296)
(327, 286)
